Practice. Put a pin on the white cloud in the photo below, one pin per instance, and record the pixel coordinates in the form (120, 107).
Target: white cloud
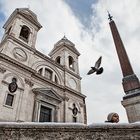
(104, 93)
(124, 14)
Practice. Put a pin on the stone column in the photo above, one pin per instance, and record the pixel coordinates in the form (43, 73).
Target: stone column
(66, 99)
(36, 111)
(56, 114)
(24, 109)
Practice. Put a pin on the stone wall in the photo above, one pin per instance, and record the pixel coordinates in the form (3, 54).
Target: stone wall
(68, 131)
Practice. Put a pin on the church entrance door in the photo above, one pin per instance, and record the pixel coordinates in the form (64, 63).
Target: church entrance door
(45, 114)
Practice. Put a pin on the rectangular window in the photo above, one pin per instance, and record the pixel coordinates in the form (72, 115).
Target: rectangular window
(45, 114)
(9, 99)
(48, 74)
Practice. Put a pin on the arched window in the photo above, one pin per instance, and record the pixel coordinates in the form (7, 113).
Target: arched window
(48, 74)
(71, 62)
(24, 33)
(40, 71)
(56, 80)
(58, 59)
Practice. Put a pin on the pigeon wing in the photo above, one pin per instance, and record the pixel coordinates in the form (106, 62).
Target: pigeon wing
(91, 71)
(98, 62)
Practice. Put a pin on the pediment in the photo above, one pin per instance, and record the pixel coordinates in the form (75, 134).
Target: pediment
(26, 13)
(48, 92)
(29, 14)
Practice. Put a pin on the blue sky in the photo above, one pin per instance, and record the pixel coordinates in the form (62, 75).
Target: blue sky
(82, 9)
(72, 17)
(2, 18)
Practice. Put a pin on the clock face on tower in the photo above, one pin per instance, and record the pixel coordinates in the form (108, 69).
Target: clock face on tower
(20, 54)
(72, 83)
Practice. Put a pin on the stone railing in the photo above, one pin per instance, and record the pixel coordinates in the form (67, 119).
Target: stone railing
(68, 131)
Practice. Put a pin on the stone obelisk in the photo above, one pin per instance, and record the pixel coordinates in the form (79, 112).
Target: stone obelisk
(130, 82)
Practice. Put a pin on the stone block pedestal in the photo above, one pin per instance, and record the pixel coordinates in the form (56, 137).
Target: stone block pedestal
(131, 103)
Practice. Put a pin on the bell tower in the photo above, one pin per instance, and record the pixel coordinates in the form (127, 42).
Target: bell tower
(20, 34)
(65, 54)
(130, 82)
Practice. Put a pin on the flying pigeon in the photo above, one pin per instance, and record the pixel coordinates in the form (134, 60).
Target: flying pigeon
(97, 67)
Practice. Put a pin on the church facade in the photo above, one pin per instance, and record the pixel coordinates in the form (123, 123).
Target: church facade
(35, 87)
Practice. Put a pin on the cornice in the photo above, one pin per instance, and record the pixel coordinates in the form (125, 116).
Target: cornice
(9, 59)
(56, 48)
(9, 19)
(35, 75)
(41, 55)
(64, 88)
(48, 92)
(36, 52)
(28, 69)
(48, 59)
(72, 73)
(43, 79)
(15, 13)
(73, 49)
(20, 42)
(32, 21)
(79, 94)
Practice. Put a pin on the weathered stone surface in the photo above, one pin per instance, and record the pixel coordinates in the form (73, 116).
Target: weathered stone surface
(65, 131)
(38, 75)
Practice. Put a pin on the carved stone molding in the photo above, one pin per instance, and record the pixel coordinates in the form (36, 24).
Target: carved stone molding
(2, 70)
(66, 98)
(57, 107)
(82, 105)
(27, 81)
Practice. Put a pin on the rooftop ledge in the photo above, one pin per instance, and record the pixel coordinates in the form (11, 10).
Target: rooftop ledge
(67, 125)
(69, 131)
